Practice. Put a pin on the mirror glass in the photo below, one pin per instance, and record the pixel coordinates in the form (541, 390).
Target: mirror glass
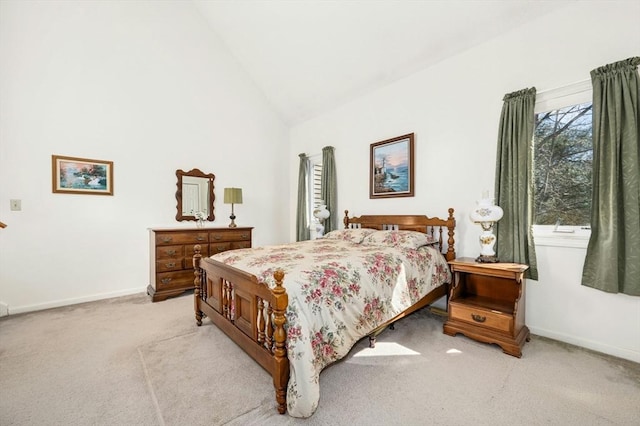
(194, 194)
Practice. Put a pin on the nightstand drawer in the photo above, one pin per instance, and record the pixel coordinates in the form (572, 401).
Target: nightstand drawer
(481, 317)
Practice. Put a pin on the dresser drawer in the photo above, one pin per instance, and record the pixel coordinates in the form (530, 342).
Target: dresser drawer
(240, 245)
(481, 317)
(168, 238)
(169, 265)
(177, 279)
(169, 252)
(239, 235)
(219, 248)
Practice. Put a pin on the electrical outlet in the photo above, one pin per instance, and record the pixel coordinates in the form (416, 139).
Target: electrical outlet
(16, 205)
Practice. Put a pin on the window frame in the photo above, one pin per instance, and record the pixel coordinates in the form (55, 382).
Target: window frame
(561, 97)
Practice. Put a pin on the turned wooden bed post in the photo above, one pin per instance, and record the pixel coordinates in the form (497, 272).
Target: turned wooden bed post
(197, 257)
(451, 253)
(281, 374)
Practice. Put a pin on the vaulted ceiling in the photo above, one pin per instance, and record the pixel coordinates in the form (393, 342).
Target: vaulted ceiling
(309, 56)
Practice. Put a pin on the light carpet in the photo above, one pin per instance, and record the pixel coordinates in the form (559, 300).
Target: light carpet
(127, 361)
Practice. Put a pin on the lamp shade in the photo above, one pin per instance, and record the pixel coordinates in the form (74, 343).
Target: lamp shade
(486, 211)
(321, 213)
(233, 195)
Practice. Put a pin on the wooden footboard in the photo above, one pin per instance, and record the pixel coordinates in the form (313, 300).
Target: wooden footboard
(253, 315)
(249, 312)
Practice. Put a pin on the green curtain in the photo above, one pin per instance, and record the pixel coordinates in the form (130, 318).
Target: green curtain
(329, 187)
(514, 182)
(612, 263)
(302, 215)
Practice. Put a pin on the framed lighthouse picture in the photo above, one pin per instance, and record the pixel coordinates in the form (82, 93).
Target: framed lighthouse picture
(391, 168)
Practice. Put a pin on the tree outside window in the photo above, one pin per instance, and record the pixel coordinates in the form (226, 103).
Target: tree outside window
(563, 156)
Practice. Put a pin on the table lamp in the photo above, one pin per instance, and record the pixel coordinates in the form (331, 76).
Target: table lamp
(321, 214)
(486, 214)
(232, 196)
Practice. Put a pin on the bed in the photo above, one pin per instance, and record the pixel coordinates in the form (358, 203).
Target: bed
(295, 318)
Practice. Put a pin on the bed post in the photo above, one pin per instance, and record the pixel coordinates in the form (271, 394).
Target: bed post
(197, 257)
(451, 224)
(345, 220)
(281, 372)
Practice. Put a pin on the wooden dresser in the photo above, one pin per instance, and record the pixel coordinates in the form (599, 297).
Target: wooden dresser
(171, 255)
(487, 303)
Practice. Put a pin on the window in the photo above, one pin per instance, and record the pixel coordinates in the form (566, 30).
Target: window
(562, 163)
(563, 154)
(315, 188)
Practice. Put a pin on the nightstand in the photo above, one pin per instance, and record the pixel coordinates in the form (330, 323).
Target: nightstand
(486, 303)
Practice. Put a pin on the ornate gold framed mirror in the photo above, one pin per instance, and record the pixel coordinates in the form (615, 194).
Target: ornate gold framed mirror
(194, 195)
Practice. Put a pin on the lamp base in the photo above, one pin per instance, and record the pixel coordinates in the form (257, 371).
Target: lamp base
(487, 259)
(233, 221)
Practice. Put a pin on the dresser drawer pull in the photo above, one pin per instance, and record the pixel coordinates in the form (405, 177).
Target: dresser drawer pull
(217, 237)
(171, 252)
(167, 239)
(200, 238)
(244, 236)
(220, 249)
(165, 280)
(478, 318)
(170, 265)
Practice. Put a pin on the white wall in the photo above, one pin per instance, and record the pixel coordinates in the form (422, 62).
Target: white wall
(148, 86)
(454, 108)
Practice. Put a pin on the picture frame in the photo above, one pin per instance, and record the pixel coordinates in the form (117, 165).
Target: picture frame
(391, 172)
(74, 175)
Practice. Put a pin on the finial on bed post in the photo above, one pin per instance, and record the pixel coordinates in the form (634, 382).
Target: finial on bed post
(281, 300)
(197, 282)
(346, 219)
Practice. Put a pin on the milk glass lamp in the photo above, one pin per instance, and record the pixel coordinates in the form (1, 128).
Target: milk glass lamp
(232, 196)
(321, 214)
(486, 214)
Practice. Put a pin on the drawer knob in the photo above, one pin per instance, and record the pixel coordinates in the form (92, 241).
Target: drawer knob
(165, 280)
(171, 252)
(244, 236)
(478, 318)
(167, 239)
(200, 238)
(170, 265)
(217, 237)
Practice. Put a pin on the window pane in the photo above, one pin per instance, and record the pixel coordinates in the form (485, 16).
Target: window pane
(563, 154)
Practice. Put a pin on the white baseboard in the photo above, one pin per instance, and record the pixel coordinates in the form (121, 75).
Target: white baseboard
(73, 301)
(588, 344)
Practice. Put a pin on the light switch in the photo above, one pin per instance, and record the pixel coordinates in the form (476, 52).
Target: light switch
(16, 205)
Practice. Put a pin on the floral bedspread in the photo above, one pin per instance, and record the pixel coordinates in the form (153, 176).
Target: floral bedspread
(339, 291)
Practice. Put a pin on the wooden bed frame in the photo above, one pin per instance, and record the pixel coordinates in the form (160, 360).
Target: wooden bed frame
(254, 303)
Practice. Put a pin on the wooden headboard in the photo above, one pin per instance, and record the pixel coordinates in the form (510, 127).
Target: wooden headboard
(433, 226)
